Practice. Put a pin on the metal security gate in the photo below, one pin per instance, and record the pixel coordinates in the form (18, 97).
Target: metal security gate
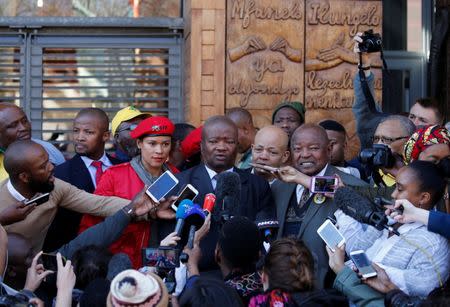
(53, 75)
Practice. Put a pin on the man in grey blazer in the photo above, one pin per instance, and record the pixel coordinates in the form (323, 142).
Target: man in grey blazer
(300, 213)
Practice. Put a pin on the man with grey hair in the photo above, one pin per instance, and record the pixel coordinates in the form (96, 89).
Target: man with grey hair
(393, 131)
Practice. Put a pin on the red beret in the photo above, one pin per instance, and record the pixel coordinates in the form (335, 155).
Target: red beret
(153, 126)
(191, 143)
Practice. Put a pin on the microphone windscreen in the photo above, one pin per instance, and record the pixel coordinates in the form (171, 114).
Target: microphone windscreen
(228, 184)
(209, 202)
(183, 207)
(195, 216)
(353, 204)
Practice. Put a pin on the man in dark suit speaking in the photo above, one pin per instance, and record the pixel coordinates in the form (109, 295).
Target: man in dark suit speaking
(218, 151)
(300, 212)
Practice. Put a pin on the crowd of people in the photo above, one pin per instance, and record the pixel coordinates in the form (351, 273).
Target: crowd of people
(85, 242)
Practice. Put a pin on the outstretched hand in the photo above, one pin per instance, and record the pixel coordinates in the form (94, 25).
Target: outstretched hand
(15, 213)
(381, 282)
(36, 274)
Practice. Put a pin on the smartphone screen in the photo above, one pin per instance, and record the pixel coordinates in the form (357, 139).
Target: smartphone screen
(363, 264)
(162, 186)
(324, 184)
(49, 261)
(331, 235)
(188, 192)
(165, 258)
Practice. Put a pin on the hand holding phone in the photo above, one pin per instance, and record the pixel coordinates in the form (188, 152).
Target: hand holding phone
(38, 200)
(330, 235)
(50, 263)
(363, 264)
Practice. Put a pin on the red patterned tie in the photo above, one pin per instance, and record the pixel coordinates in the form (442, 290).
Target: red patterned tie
(99, 171)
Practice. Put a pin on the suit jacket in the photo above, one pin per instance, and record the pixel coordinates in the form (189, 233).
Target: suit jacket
(314, 217)
(66, 223)
(256, 202)
(35, 226)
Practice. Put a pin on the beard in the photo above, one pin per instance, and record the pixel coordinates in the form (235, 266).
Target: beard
(41, 187)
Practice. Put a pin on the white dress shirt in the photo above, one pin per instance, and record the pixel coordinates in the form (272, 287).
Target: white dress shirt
(92, 169)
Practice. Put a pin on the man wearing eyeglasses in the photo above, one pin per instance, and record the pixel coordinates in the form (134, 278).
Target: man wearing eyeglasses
(125, 121)
(393, 131)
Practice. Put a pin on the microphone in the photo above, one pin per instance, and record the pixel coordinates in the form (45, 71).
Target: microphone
(195, 217)
(181, 214)
(228, 195)
(268, 228)
(209, 202)
(361, 209)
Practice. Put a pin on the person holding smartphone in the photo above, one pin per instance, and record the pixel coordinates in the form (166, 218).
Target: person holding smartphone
(154, 140)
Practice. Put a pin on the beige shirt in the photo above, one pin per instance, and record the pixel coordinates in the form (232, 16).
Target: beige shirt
(34, 228)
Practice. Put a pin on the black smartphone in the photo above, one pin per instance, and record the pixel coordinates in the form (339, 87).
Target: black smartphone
(38, 200)
(49, 261)
(162, 257)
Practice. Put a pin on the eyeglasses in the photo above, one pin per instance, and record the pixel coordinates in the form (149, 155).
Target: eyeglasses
(386, 140)
(130, 127)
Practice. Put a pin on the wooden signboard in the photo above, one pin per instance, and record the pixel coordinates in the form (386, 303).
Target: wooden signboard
(297, 50)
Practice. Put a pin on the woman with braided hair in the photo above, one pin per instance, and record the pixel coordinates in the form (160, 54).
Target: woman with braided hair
(288, 278)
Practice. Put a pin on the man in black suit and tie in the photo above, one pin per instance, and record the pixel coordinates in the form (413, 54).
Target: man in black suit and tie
(300, 212)
(84, 170)
(218, 151)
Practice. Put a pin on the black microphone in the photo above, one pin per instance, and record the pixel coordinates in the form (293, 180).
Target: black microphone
(228, 195)
(268, 228)
(361, 209)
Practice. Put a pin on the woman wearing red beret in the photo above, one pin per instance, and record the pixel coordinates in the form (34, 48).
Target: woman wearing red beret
(154, 139)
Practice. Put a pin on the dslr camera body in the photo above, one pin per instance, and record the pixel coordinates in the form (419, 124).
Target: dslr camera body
(371, 42)
(379, 155)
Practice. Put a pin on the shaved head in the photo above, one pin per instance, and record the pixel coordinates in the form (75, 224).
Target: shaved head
(240, 116)
(19, 155)
(277, 136)
(97, 114)
(246, 130)
(321, 133)
(216, 121)
(14, 124)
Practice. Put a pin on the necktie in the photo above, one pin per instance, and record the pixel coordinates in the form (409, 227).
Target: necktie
(99, 170)
(214, 182)
(304, 198)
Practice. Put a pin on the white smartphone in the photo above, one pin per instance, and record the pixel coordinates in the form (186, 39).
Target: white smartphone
(363, 264)
(162, 186)
(188, 192)
(331, 235)
(324, 184)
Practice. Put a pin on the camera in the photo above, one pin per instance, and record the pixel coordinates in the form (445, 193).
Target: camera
(371, 42)
(379, 155)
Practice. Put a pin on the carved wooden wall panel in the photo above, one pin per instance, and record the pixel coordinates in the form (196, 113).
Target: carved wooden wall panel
(296, 50)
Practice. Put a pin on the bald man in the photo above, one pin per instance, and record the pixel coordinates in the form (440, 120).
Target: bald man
(90, 133)
(14, 125)
(31, 173)
(299, 211)
(270, 148)
(246, 135)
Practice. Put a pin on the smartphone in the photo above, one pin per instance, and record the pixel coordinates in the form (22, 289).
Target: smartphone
(38, 200)
(324, 184)
(162, 186)
(188, 192)
(330, 235)
(363, 264)
(162, 257)
(49, 261)
(265, 167)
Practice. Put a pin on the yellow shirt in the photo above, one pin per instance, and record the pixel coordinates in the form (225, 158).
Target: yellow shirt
(388, 179)
(3, 174)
